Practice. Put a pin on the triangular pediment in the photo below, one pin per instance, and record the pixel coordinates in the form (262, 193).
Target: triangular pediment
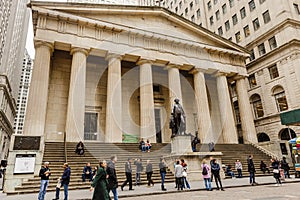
(151, 20)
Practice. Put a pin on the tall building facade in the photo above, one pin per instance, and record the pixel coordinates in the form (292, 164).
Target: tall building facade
(23, 93)
(120, 2)
(270, 33)
(14, 23)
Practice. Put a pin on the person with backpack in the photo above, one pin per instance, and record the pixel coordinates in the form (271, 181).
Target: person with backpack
(215, 170)
(206, 175)
(285, 166)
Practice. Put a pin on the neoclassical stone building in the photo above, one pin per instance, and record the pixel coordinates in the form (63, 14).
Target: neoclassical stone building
(112, 73)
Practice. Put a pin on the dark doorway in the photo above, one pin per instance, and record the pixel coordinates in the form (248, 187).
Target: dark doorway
(90, 126)
(157, 125)
(283, 149)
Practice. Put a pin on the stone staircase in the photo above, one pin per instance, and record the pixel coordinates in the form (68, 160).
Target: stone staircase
(232, 152)
(95, 151)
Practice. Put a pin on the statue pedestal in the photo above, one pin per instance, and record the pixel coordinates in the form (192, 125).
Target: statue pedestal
(181, 144)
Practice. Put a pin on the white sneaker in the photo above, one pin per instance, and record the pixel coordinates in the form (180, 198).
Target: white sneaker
(276, 184)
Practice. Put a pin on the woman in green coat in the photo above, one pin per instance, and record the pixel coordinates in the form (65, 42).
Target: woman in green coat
(99, 184)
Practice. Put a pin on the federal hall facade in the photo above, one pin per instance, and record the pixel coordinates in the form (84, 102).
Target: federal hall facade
(108, 73)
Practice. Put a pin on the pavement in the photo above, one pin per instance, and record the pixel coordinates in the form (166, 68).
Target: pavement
(144, 190)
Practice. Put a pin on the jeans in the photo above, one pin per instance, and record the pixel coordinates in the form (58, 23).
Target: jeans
(162, 175)
(240, 173)
(185, 182)
(115, 192)
(149, 178)
(252, 177)
(43, 189)
(138, 178)
(218, 179)
(66, 186)
(207, 183)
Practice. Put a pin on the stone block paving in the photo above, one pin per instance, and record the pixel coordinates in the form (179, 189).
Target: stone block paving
(143, 190)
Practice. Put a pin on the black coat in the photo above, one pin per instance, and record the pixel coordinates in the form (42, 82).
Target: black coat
(112, 176)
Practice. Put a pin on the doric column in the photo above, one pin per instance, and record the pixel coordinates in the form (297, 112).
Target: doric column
(248, 127)
(174, 84)
(38, 95)
(147, 116)
(227, 120)
(113, 127)
(204, 120)
(76, 101)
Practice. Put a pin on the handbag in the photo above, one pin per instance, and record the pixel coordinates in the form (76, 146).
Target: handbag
(275, 171)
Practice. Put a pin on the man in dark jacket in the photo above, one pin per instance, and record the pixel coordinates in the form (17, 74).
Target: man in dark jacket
(149, 172)
(215, 170)
(87, 172)
(163, 171)
(44, 174)
(65, 180)
(251, 170)
(128, 172)
(139, 168)
(285, 166)
(112, 177)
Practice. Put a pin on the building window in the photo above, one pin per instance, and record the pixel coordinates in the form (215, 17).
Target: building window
(252, 55)
(237, 112)
(209, 5)
(186, 11)
(280, 99)
(256, 24)
(215, 2)
(255, 100)
(261, 49)
(261, 1)
(233, 90)
(191, 5)
(193, 18)
(246, 31)
(238, 37)
(224, 8)
(220, 31)
(251, 5)
(263, 137)
(230, 39)
(252, 81)
(273, 72)
(227, 25)
(176, 9)
(234, 19)
(266, 17)
(90, 126)
(198, 13)
(218, 15)
(231, 3)
(243, 12)
(296, 7)
(211, 20)
(157, 89)
(180, 4)
(272, 43)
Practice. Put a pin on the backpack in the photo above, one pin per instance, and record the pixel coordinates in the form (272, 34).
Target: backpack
(204, 171)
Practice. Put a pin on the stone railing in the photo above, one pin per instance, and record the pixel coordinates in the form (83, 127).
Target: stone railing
(269, 153)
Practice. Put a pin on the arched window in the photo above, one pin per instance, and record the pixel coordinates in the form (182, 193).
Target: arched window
(287, 134)
(257, 106)
(263, 137)
(280, 98)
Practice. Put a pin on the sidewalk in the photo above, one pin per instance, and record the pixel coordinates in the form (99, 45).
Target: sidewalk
(143, 190)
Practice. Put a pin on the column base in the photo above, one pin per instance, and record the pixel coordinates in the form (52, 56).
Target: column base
(181, 144)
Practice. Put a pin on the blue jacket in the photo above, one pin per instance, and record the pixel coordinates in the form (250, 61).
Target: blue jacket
(66, 176)
(215, 168)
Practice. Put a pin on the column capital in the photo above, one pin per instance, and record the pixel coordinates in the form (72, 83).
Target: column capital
(196, 70)
(110, 56)
(219, 73)
(239, 77)
(39, 43)
(79, 49)
(170, 66)
(144, 61)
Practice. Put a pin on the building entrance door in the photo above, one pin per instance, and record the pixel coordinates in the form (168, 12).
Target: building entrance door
(158, 125)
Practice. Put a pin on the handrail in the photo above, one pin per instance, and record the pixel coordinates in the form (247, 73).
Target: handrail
(269, 153)
(65, 147)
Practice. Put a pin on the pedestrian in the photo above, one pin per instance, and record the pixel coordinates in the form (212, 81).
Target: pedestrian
(211, 146)
(99, 184)
(229, 171)
(178, 175)
(139, 168)
(263, 167)
(251, 170)
(79, 148)
(206, 175)
(128, 173)
(285, 166)
(142, 145)
(44, 174)
(185, 183)
(276, 171)
(87, 172)
(162, 171)
(65, 180)
(112, 177)
(210, 163)
(215, 171)
(148, 145)
(239, 168)
(149, 172)
(195, 141)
